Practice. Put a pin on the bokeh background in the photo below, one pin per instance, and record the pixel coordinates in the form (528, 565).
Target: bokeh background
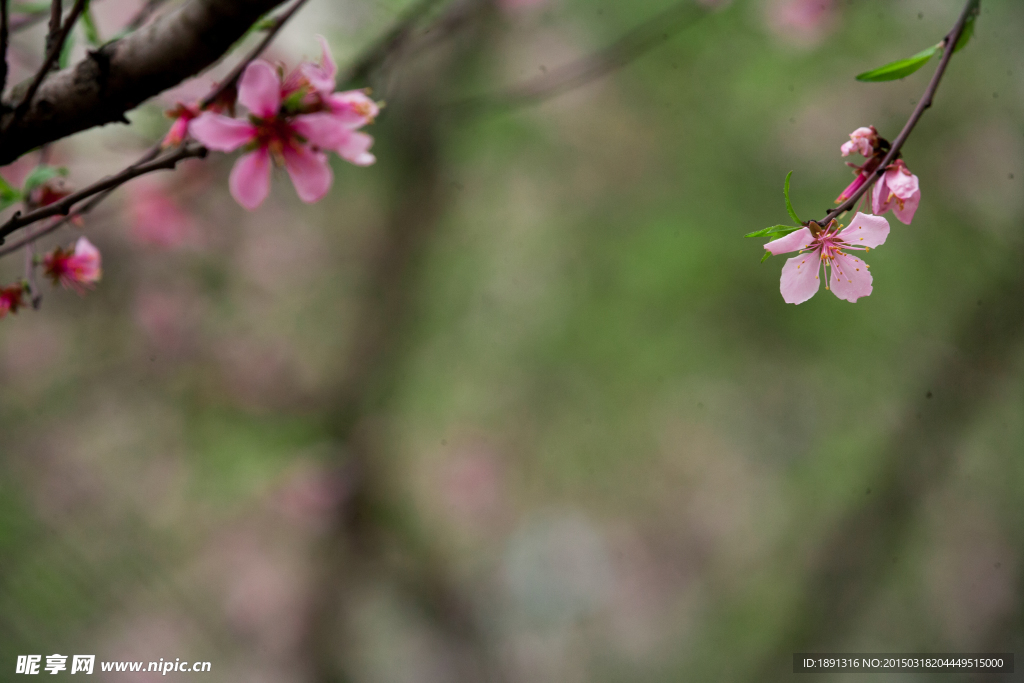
(518, 403)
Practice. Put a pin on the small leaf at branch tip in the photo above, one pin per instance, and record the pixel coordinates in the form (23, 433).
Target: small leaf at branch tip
(789, 204)
(900, 68)
(773, 230)
(766, 255)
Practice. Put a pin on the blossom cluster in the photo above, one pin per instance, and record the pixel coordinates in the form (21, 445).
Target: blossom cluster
(819, 247)
(293, 121)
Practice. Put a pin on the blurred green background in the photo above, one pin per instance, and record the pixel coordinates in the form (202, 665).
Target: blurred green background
(518, 403)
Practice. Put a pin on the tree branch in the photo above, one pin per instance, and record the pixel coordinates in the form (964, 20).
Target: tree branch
(122, 74)
(63, 206)
(56, 11)
(54, 44)
(949, 43)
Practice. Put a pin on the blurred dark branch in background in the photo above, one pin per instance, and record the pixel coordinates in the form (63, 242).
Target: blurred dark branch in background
(389, 46)
(633, 45)
(860, 550)
(122, 74)
(367, 530)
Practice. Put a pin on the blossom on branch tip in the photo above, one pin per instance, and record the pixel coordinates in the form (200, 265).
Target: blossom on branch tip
(285, 127)
(11, 299)
(849, 278)
(863, 140)
(897, 189)
(78, 270)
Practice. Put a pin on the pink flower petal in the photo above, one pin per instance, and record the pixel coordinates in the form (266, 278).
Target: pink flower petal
(906, 208)
(310, 172)
(880, 197)
(321, 76)
(851, 188)
(260, 89)
(353, 108)
(221, 133)
(249, 181)
(850, 279)
(355, 149)
(903, 185)
(800, 278)
(321, 129)
(794, 241)
(866, 230)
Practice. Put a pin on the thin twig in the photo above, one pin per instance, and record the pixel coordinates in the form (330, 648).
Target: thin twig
(626, 49)
(153, 153)
(4, 36)
(236, 73)
(53, 53)
(949, 44)
(388, 44)
(56, 11)
(64, 206)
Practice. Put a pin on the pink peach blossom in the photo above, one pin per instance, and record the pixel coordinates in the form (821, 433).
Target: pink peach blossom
(899, 190)
(292, 140)
(157, 219)
(11, 299)
(78, 270)
(849, 276)
(862, 140)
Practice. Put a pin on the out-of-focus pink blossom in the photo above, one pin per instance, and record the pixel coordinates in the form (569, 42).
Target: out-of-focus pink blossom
(862, 140)
(78, 270)
(182, 115)
(292, 140)
(849, 277)
(11, 299)
(898, 189)
(156, 219)
(806, 21)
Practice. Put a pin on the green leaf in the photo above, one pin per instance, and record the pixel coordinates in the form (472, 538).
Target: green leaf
(901, 68)
(965, 35)
(789, 204)
(92, 34)
(40, 174)
(765, 257)
(65, 51)
(779, 230)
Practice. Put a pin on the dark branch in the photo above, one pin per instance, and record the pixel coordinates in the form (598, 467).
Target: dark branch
(56, 11)
(63, 207)
(949, 42)
(4, 37)
(55, 44)
(388, 44)
(122, 74)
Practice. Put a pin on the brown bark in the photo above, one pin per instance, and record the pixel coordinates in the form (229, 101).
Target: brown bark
(121, 75)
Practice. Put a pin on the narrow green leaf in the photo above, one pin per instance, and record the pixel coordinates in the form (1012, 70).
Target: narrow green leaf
(900, 69)
(789, 204)
(65, 51)
(965, 36)
(765, 257)
(780, 230)
(40, 174)
(92, 33)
